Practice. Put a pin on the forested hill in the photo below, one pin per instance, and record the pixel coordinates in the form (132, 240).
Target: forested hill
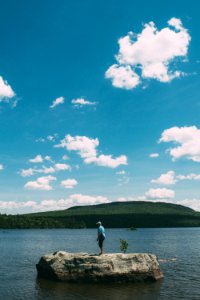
(131, 207)
(126, 214)
(136, 214)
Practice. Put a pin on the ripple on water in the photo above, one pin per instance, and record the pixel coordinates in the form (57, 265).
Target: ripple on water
(21, 249)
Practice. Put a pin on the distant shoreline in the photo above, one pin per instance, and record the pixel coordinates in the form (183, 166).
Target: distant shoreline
(136, 214)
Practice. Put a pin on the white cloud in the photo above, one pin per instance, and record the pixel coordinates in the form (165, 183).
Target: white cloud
(6, 92)
(154, 155)
(27, 172)
(37, 159)
(41, 183)
(46, 170)
(149, 54)
(79, 199)
(188, 140)
(31, 171)
(57, 101)
(51, 204)
(191, 176)
(86, 148)
(162, 193)
(82, 102)
(166, 179)
(107, 161)
(69, 183)
(62, 167)
(1, 167)
(123, 77)
(170, 178)
(9, 205)
(192, 203)
(40, 159)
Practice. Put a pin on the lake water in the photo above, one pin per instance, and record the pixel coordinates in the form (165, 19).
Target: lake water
(20, 250)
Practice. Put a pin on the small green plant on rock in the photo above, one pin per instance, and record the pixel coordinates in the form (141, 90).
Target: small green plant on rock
(123, 246)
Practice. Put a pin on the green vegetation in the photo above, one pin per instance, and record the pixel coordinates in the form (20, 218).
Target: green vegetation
(136, 214)
(123, 246)
(27, 222)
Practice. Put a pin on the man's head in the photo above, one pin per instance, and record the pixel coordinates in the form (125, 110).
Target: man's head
(98, 223)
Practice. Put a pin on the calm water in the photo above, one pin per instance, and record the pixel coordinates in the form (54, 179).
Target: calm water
(20, 250)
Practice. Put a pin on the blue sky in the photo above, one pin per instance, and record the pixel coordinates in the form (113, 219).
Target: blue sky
(99, 102)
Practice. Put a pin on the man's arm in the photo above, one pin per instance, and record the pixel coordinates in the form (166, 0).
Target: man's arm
(98, 234)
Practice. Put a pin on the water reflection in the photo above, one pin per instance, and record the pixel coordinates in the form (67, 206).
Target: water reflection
(58, 290)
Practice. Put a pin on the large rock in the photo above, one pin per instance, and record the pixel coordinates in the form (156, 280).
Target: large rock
(83, 267)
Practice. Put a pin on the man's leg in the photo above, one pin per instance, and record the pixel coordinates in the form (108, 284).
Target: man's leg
(101, 246)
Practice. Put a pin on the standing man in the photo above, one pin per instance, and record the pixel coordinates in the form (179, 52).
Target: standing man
(101, 236)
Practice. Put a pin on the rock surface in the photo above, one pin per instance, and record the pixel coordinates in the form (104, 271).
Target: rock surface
(113, 267)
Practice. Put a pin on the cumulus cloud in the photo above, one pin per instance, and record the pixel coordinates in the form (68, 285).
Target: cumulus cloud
(27, 172)
(154, 155)
(1, 167)
(160, 193)
(32, 171)
(6, 92)
(192, 203)
(40, 159)
(37, 159)
(107, 161)
(82, 102)
(187, 140)
(171, 178)
(79, 199)
(149, 54)
(62, 167)
(69, 183)
(166, 179)
(123, 76)
(51, 204)
(41, 183)
(57, 101)
(72, 200)
(191, 176)
(46, 170)
(86, 148)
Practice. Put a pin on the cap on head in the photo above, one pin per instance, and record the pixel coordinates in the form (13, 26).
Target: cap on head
(98, 223)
